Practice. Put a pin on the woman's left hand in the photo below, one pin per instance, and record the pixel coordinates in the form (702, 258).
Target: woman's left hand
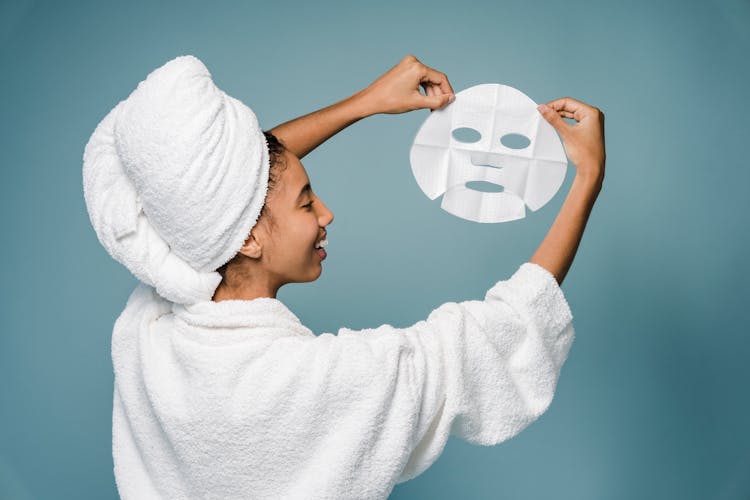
(397, 91)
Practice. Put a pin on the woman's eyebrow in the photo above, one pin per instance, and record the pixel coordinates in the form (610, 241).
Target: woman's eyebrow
(306, 187)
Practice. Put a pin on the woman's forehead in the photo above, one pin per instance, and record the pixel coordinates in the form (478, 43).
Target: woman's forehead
(296, 181)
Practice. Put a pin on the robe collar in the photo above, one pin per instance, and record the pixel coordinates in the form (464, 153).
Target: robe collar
(262, 312)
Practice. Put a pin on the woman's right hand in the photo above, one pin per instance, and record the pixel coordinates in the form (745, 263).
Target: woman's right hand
(397, 91)
(584, 140)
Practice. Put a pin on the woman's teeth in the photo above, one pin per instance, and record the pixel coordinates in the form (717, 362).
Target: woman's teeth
(321, 243)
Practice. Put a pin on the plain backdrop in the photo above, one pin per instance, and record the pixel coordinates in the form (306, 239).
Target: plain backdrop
(652, 402)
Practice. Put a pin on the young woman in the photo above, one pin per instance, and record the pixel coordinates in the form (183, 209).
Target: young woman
(229, 395)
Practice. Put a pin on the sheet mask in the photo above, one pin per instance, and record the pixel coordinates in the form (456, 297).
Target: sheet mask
(520, 175)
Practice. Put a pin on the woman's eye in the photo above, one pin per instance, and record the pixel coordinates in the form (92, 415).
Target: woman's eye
(308, 206)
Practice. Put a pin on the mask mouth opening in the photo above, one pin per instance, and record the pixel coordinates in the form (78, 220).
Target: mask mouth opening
(485, 187)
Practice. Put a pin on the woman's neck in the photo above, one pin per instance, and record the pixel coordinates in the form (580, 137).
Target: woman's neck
(245, 291)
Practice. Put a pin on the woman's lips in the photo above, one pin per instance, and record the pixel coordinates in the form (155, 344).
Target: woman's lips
(321, 251)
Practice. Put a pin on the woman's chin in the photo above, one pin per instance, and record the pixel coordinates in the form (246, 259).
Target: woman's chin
(315, 272)
(318, 273)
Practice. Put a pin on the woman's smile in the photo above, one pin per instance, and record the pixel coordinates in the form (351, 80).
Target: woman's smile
(319, 250)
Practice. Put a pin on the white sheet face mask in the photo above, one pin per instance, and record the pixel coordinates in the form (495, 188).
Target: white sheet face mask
(508, 144)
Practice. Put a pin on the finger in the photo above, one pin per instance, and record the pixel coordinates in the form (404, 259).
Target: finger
(577, 108)
(554, 118)
(437, 78)
(431, 91)
(435, 101)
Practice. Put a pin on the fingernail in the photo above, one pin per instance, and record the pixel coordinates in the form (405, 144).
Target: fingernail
(452, 98)
(542, 108)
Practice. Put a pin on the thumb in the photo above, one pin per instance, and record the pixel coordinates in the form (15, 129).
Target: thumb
(553, 118)
(436, 101)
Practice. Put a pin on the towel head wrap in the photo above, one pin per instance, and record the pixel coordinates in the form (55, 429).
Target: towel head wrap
(174, 179)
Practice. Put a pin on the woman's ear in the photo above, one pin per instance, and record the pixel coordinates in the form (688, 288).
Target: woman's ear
(251, 248)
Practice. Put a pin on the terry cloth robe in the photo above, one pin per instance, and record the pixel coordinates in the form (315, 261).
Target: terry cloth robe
(238, 399)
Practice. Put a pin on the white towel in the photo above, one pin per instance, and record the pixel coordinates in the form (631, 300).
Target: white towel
(238, 399)
(174, 179)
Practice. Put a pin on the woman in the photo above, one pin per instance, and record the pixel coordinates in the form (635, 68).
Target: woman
(220, 391)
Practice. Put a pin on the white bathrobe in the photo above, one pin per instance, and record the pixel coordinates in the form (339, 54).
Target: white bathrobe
(238, 399)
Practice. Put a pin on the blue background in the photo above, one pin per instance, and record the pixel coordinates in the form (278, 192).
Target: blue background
(653, 401)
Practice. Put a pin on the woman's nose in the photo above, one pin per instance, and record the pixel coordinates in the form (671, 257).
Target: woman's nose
(326, 216)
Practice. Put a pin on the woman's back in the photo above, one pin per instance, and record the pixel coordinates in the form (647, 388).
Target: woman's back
(238, 399)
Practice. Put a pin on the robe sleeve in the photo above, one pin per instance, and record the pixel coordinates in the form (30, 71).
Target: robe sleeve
(481, 370)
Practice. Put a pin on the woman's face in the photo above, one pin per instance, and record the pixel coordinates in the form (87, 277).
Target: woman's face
(299, 218)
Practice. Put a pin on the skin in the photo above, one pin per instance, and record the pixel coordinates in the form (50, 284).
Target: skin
(584, 145)
(283, 251)
(274, 256)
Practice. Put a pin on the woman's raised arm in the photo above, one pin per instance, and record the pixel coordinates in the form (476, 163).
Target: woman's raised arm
(584, 144)
(397, 91)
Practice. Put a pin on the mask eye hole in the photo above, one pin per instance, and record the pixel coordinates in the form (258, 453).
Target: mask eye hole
(466, 134)
(515, 141)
